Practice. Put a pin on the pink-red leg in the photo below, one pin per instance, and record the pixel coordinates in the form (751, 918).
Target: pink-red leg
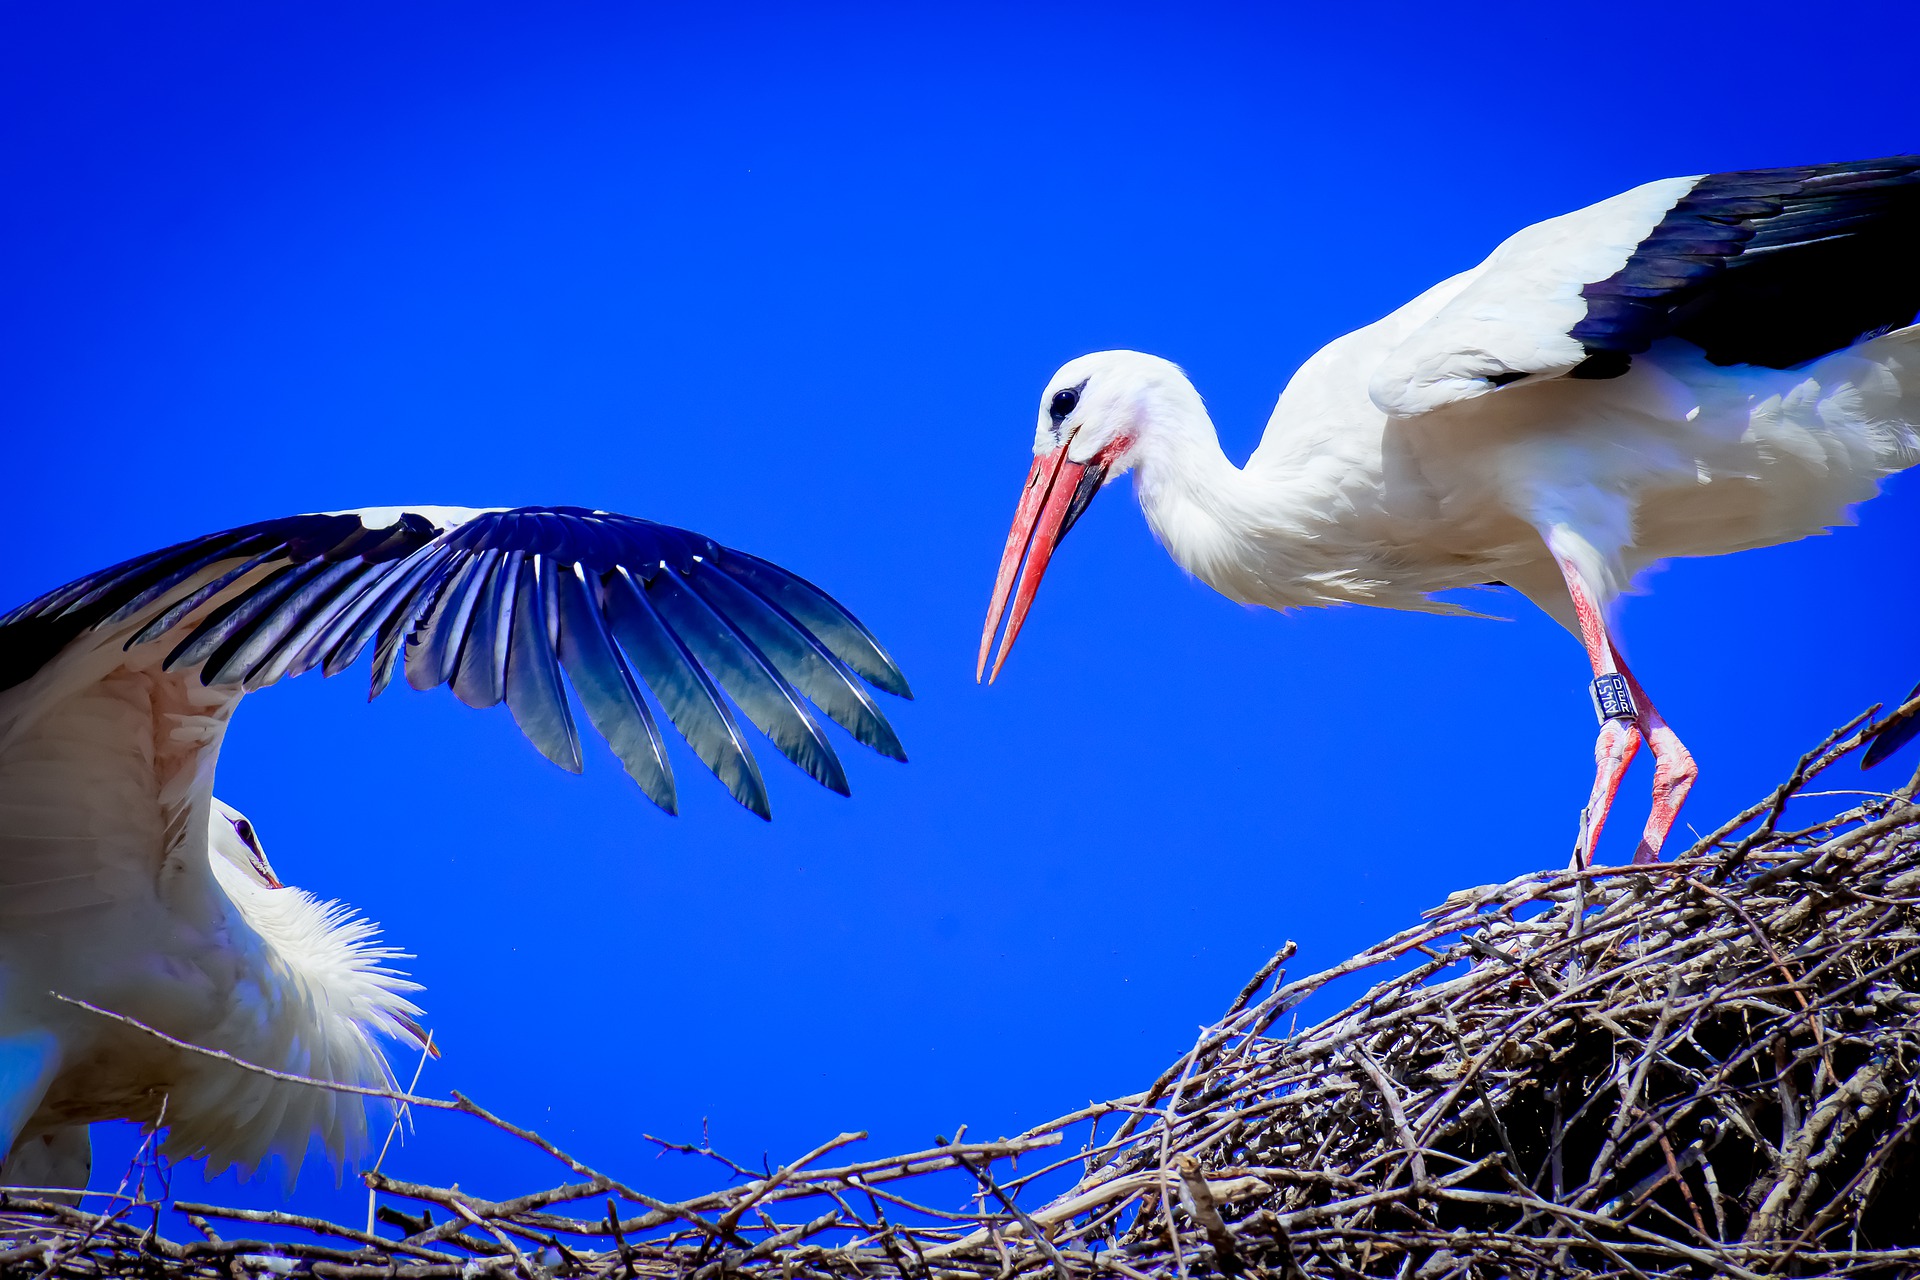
(1673, 771)
(1620, 738)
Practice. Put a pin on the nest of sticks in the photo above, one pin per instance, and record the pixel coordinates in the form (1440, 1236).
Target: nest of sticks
(1709, 1066)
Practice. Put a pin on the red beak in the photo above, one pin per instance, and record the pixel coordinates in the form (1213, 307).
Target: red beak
(1057, 492)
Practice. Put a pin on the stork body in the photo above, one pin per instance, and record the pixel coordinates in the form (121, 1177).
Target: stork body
(125, 884)
(1694, 367)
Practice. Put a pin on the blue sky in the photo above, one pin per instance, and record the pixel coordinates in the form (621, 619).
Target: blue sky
(795, 278)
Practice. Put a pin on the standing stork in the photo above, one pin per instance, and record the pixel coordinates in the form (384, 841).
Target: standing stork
(125, 884)
(1693, 367)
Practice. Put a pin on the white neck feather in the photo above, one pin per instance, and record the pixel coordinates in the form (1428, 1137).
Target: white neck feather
(1266, 534)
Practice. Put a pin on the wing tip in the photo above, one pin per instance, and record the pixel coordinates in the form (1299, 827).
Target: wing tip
(1893, 735)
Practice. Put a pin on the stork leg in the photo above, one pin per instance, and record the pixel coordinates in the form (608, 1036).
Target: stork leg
(1621, 735)
(1673, 770)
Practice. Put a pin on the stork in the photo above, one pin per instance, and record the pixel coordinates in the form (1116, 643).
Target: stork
(1696, 366)
(126, 885)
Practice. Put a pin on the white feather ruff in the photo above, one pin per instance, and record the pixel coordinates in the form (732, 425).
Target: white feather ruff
(318, 993)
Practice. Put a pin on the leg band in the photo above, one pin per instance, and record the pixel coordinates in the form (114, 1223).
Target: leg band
(1612, 700)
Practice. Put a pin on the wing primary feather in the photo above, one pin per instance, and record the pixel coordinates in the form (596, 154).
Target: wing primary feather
(311, 610)
(684, 689)
(606, 688)
(842, 633)
(535, 695)
(224, 649)
(480, 673)
(1895, 737)
(172, 614)
(78, 595)
(370, 611)
(226, 617)
(210, 553)
(806, 663)
(406, 612)
(158, 573)
(434, 647)
(341, 615)
(753, 682)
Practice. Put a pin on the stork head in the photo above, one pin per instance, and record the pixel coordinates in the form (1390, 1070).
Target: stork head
(1094, 417)
(232, 837)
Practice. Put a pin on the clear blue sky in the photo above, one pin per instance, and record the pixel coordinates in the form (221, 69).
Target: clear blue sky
(794, 278)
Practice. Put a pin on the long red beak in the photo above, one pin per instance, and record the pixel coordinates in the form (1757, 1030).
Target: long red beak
(1057, 492)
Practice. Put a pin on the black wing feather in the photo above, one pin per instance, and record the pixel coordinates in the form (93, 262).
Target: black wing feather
(801, 659)
(433, 649)
(413, 601)
(1770, 267)
(271, 647)
(750, 679)
(480, 676)
(535, 695)
(221, 648)
(820, 614)
(685, 690)
(1893, 737)
(607, 690)
(506, 606)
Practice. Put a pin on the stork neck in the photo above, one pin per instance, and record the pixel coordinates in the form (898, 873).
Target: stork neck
(1249, 533)
(1191, 493)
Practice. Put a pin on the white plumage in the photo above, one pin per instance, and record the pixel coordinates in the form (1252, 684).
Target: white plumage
(125, 884)
(1694, 367)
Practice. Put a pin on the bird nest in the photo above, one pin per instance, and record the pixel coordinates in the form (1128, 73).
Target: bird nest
(1706, 1066)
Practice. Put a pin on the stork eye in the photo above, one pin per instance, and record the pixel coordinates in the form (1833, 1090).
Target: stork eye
(1063, 404)
(244, 830)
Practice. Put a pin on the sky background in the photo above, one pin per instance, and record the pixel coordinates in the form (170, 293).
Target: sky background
(795, 278)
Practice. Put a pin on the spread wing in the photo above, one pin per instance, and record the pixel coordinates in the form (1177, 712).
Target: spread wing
(498, 605)
(1771, 267)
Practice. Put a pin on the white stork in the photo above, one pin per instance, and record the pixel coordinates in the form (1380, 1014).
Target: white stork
(124, 883)
(1695, 366)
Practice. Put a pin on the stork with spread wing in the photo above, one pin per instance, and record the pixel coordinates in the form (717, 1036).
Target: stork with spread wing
(125, 884)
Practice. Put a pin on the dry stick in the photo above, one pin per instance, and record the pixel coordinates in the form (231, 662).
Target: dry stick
(1167, 1120)
(1819, 1032)
(1686, 1192)
(1258, 1100)
(336, 1086)
(1777, 803)
(400, 1116)
(1581, 1220)
(1259, 979)
(1200, 1204)
(319, 1226)
(56, 1259)
(1796, 1153)
(459, 1103)
(731, 1217)
(1034, 1232)
(1824, 1217)
(1398, 1115)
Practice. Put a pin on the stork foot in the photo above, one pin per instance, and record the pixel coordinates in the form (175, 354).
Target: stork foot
(1613, 751)
(1673, 775)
